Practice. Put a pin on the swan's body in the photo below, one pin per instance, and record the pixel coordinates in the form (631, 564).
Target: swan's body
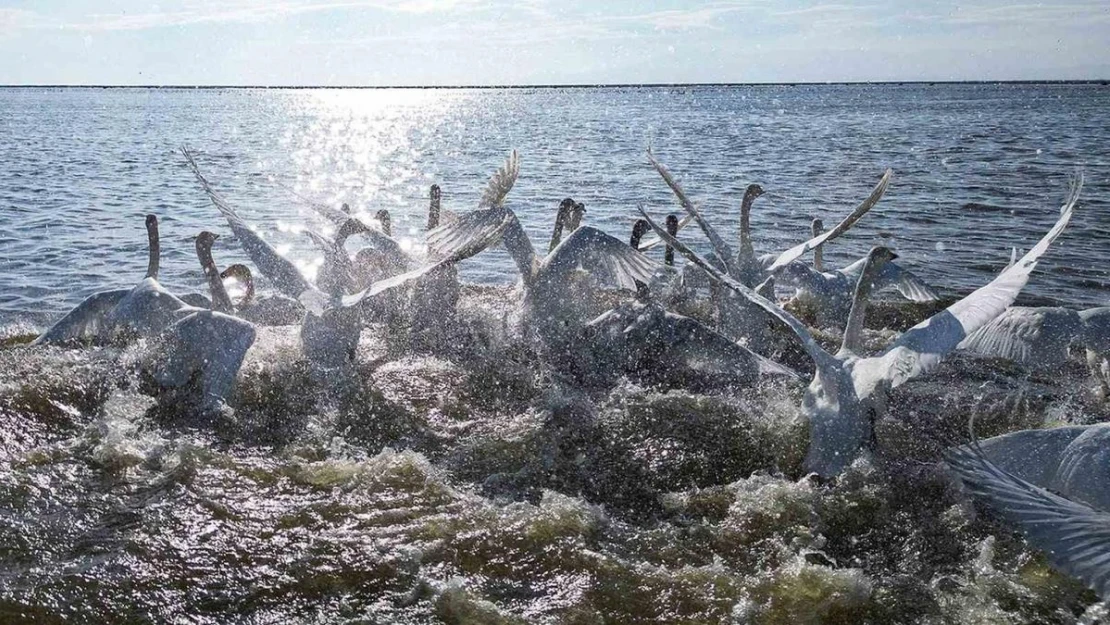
(1070, 522)
(848, 392)
(829, 294)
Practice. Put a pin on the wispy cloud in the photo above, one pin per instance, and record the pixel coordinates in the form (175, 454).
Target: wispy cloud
(248, 11)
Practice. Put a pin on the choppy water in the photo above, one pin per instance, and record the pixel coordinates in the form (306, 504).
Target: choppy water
(472, 486)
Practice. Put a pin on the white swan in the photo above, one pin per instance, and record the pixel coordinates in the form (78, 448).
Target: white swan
(829, 294)
(737, 317)
(1074, 535)
(122, 314)
(848, 392)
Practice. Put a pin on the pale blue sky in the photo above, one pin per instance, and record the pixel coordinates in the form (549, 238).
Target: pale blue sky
(382, 42)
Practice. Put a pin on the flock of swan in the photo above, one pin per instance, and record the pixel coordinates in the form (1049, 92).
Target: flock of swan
(1053, 484)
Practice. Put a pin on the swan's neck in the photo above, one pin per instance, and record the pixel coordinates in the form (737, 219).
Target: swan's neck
(518, 245)
(745, 225)
(853, 330)
(154, 250)
(433, 208)
(818, 252)
(560, 223)
(221, 301)
(668, 252)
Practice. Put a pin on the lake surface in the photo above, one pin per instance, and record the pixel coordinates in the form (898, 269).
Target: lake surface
(978, 169)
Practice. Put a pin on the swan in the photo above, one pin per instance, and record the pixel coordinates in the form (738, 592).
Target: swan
(848, 392)
(560, 294)
(332, 323)
(1072, 524)
(737, 317)
(722, 252)
(122, 314)
(1039, 337)
(829, 294)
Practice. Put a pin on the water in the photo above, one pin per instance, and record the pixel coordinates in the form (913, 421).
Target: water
(472, 486)
(978, 169)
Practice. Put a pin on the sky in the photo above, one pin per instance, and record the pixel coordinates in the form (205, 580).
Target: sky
(466, 42)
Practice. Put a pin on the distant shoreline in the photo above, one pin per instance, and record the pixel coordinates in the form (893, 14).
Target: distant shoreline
(1100, 82)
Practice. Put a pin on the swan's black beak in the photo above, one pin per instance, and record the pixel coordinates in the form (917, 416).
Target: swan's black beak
(893, 256)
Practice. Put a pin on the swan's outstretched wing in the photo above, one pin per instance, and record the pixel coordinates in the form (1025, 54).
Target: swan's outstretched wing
(820, 357)
(1023, 334)
(462, 252)
(908, 284)
(797, 251)
(332, 214)
(278, 269)
(656, 241)
(608, 260)
(86, 322)
(923, 346)
(501, 182)
(720, 249)
(386, 247)
(1075, 537)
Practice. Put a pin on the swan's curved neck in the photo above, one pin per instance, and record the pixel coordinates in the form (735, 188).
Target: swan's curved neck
(433, 208)
(853, 330)
(560, 223)
(221, 301)
(745, 224)
(154, 249)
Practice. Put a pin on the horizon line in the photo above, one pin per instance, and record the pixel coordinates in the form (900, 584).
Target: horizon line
(1084, 81)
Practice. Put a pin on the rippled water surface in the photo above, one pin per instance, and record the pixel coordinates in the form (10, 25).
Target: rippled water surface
(978, 169)
(471, 484)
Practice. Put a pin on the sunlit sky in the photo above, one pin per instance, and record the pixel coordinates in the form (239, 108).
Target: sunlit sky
(452, 42)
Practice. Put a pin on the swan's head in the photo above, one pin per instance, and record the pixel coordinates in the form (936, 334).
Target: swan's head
(577, 212)
(151, 221)
(205, 240)
(818, 226)
(753, 191)
(672, 224)
(435, 192)
(880, 255)
(346, 208)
